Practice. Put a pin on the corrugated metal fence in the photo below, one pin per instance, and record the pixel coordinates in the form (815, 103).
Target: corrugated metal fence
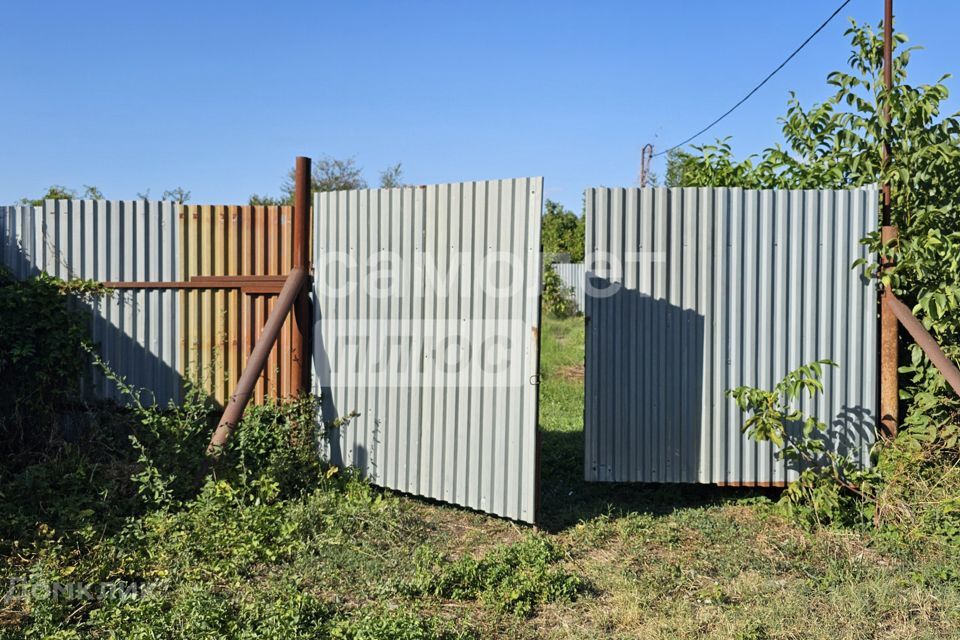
(427, 314)
(158, 337)
(573, 275)
(220, 326)
(125, 240)
(693, 291)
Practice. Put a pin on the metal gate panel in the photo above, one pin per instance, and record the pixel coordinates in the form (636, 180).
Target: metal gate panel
(691, 292)
(415, 290)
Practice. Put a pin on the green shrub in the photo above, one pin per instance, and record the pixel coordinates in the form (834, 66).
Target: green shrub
(42, 357)
(830, 487)
(557, 297)
(919, 500)
(140, 515)
(910, 494)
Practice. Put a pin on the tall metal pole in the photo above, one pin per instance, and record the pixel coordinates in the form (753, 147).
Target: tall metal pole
(301, 347)
(887, 84)
(889, 327)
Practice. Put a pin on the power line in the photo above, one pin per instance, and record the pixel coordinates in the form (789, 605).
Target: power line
(763, 82)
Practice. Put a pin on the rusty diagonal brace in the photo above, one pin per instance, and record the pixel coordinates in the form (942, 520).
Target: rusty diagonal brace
(294, 284)
(925, 341)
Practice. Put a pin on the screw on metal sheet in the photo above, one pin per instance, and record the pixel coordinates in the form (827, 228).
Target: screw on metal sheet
(535, 379)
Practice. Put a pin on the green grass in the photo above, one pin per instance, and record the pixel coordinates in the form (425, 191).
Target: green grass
(283, 549)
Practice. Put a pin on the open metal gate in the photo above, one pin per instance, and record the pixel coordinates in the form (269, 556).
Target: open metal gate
(426, 325)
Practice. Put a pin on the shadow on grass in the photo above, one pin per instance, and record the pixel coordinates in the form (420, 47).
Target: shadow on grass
(567, 499)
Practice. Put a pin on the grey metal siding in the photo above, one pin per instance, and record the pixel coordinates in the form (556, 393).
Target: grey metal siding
(137, 330)
(573, 275)
(464, 434)
(709, 289)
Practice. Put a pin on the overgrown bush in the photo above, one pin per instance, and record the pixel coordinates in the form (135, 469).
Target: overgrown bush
(42, 356)
(125, 506)
(557, 297)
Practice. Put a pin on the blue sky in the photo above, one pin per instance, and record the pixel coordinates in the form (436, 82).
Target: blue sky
(219, 97)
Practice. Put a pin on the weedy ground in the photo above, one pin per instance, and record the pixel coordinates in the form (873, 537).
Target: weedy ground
(280, 547)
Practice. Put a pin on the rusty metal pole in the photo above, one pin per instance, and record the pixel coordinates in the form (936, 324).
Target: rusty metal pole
(926, 342)
(888, 85)
(889, 329)
(889, 349)
(302, 342)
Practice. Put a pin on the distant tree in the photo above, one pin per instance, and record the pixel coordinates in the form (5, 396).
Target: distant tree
(392, 176)
(60, 192)
(266, 201)
(54, 192)
(144, 195)
(90, 192)
(178, 195)
(563, 233)
(329, 174)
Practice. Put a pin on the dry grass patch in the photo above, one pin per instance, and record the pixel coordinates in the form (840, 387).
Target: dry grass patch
(571, 373)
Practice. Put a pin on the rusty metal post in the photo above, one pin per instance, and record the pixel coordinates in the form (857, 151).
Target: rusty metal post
(888, 85)
(294, 285)
(889, 328)
(889, 350)
(302, 346)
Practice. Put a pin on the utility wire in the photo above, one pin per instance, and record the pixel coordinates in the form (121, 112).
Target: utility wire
(763, 82)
